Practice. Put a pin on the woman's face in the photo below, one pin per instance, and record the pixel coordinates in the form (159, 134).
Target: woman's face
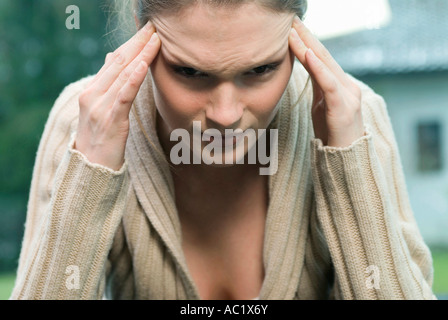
(226, 68)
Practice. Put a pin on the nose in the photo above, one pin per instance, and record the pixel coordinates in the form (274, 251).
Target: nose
(225, 109)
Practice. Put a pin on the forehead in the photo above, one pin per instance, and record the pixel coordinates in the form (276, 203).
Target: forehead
(223, 38)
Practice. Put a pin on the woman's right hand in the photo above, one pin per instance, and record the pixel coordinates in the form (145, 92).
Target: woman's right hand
(104, 105)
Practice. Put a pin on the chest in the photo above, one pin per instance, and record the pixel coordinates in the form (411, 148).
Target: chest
(222, 240)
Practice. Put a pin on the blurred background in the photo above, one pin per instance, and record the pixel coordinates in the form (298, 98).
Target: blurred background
(398, 47)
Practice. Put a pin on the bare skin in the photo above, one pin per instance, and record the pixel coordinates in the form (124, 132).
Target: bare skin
(222, 209)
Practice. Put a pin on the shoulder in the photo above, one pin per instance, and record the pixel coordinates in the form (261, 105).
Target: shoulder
(60, 124)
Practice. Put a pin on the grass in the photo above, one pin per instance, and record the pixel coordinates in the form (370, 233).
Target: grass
(440, 286)
(6, 285)
(440, 261)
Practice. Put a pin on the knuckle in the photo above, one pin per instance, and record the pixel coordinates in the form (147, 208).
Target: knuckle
(95, 115)
(122, 98)
(145, 54)
(109, 56)
(133, 80)
(357, 91)
(125, 75)
(335, 101)
(333, 86)
(118, 58)
(320, 68)
(84, 97)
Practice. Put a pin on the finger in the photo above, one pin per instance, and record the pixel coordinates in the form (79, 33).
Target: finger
(297, 46)
(318, 112)
(300, 49)
(140, 38)
(310, 41)
(147, 55)
(322, 76)
(121, 57)
(106, 65)
(318, 96)
(129, 90)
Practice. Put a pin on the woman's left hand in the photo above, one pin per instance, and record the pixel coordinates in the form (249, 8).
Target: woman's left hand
(336, 109)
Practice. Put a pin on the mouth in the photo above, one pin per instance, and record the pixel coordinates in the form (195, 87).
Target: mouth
(225, 139)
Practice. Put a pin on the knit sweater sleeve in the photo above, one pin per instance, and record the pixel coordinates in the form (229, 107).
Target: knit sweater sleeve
(362, 204)
(74, 210)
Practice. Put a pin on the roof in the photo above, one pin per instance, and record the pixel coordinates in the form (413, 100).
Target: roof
(415, 40)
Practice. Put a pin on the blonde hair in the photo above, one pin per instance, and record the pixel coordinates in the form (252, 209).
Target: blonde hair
(124, 11)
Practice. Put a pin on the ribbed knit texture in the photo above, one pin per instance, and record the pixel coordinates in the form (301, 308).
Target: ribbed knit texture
(333, 212)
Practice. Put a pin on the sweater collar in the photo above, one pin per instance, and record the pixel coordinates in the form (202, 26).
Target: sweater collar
(153, 184)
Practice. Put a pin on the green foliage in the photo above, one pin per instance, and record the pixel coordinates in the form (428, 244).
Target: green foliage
(39, 56)
(440, 258)
(6, 285)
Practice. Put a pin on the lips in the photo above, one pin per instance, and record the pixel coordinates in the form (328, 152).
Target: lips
(227, 139)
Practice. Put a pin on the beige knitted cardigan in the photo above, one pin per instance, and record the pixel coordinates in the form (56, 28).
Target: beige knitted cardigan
(339, 223)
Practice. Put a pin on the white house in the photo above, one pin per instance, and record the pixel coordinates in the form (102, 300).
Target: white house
(406, 61)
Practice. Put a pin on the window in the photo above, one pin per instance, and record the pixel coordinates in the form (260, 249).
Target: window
(429, 146)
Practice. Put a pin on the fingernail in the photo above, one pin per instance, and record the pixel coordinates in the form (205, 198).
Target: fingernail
(295, 37)
(154, 37)
(294, 34)
(148, 25)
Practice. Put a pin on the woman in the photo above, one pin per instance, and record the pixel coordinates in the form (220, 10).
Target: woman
(110, 211)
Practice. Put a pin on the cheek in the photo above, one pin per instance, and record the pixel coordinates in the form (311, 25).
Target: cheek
(177, 106)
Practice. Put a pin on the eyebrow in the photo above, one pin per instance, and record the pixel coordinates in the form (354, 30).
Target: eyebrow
(273, 59)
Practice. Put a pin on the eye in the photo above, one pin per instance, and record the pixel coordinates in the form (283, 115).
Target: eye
(261, 69)
(189, 72)
(265, 69)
